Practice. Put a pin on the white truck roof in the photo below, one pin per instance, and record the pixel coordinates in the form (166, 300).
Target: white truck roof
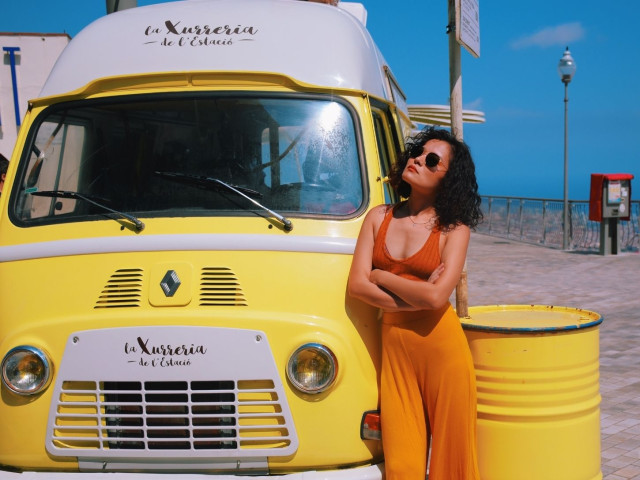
(310, 42)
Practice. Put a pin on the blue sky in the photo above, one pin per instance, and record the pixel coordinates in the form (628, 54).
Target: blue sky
(519, 150)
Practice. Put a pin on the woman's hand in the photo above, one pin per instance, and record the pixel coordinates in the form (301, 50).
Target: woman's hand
(375, 275)
(436, 273)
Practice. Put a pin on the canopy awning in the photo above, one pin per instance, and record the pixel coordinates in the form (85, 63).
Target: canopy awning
(441, 115)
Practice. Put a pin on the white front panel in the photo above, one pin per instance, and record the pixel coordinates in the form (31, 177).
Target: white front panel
(145, 395)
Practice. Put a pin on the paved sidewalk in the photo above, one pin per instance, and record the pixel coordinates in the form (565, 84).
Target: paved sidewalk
(505, 272)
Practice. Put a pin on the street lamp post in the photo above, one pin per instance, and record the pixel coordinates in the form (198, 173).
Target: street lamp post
(566, 70)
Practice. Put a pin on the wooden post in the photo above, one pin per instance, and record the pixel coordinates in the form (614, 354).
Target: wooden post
(455, 102)
(455, 75)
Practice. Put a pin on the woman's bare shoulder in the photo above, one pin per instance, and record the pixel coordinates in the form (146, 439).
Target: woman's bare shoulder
(381, 209)
(375, 217)
(460, 229)
(377, 213)
(460, 233)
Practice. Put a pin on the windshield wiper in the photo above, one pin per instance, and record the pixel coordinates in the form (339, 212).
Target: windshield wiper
(78, 196)
(212, 182)
(207, 182)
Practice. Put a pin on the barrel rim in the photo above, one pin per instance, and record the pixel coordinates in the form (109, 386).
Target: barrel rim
(598, 319)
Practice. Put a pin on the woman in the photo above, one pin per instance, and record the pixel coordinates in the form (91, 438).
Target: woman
(4, 165)
(407, 261)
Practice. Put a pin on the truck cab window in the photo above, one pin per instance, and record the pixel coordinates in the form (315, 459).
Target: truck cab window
(298, 155)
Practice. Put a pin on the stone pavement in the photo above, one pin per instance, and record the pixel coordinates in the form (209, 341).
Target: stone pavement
(505, 272)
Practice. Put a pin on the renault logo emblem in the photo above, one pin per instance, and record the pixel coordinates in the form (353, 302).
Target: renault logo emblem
(170, 283)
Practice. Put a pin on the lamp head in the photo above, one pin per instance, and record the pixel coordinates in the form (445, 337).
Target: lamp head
(566, 67)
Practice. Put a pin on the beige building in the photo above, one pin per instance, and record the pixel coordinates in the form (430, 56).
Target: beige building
(27, 59)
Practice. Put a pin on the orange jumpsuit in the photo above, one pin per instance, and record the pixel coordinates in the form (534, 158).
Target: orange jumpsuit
(428, 381)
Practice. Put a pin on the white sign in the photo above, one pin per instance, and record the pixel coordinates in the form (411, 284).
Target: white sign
(468, 25)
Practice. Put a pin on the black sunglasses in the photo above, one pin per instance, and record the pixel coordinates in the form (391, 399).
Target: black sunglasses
(431, 160)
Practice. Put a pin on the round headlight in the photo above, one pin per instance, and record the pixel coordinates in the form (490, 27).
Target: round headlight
(26, 370)
(312, 368)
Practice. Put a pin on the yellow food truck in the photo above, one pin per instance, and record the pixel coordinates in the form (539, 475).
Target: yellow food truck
(176, 230)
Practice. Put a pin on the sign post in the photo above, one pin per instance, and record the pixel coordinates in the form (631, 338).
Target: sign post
(464, 20)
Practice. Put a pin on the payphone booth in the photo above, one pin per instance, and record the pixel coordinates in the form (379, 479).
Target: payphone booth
(609, 202)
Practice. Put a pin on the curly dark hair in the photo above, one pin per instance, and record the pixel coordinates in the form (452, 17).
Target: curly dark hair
(457, 199)
(4, 164)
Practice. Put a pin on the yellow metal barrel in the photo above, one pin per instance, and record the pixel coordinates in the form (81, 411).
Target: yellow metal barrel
(537, 371)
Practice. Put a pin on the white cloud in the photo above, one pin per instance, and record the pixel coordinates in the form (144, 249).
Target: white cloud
(560, 35)
(474, 105)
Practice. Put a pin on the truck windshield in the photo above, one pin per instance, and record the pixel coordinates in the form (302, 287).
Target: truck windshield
(296, 155)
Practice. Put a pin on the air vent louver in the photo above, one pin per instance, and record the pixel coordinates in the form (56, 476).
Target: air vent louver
(123, 289)
(219, 286)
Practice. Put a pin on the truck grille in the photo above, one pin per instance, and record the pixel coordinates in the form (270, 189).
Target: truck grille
(169, 392)
(178, 415)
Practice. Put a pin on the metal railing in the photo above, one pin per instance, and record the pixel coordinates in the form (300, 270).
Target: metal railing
(539, 221)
